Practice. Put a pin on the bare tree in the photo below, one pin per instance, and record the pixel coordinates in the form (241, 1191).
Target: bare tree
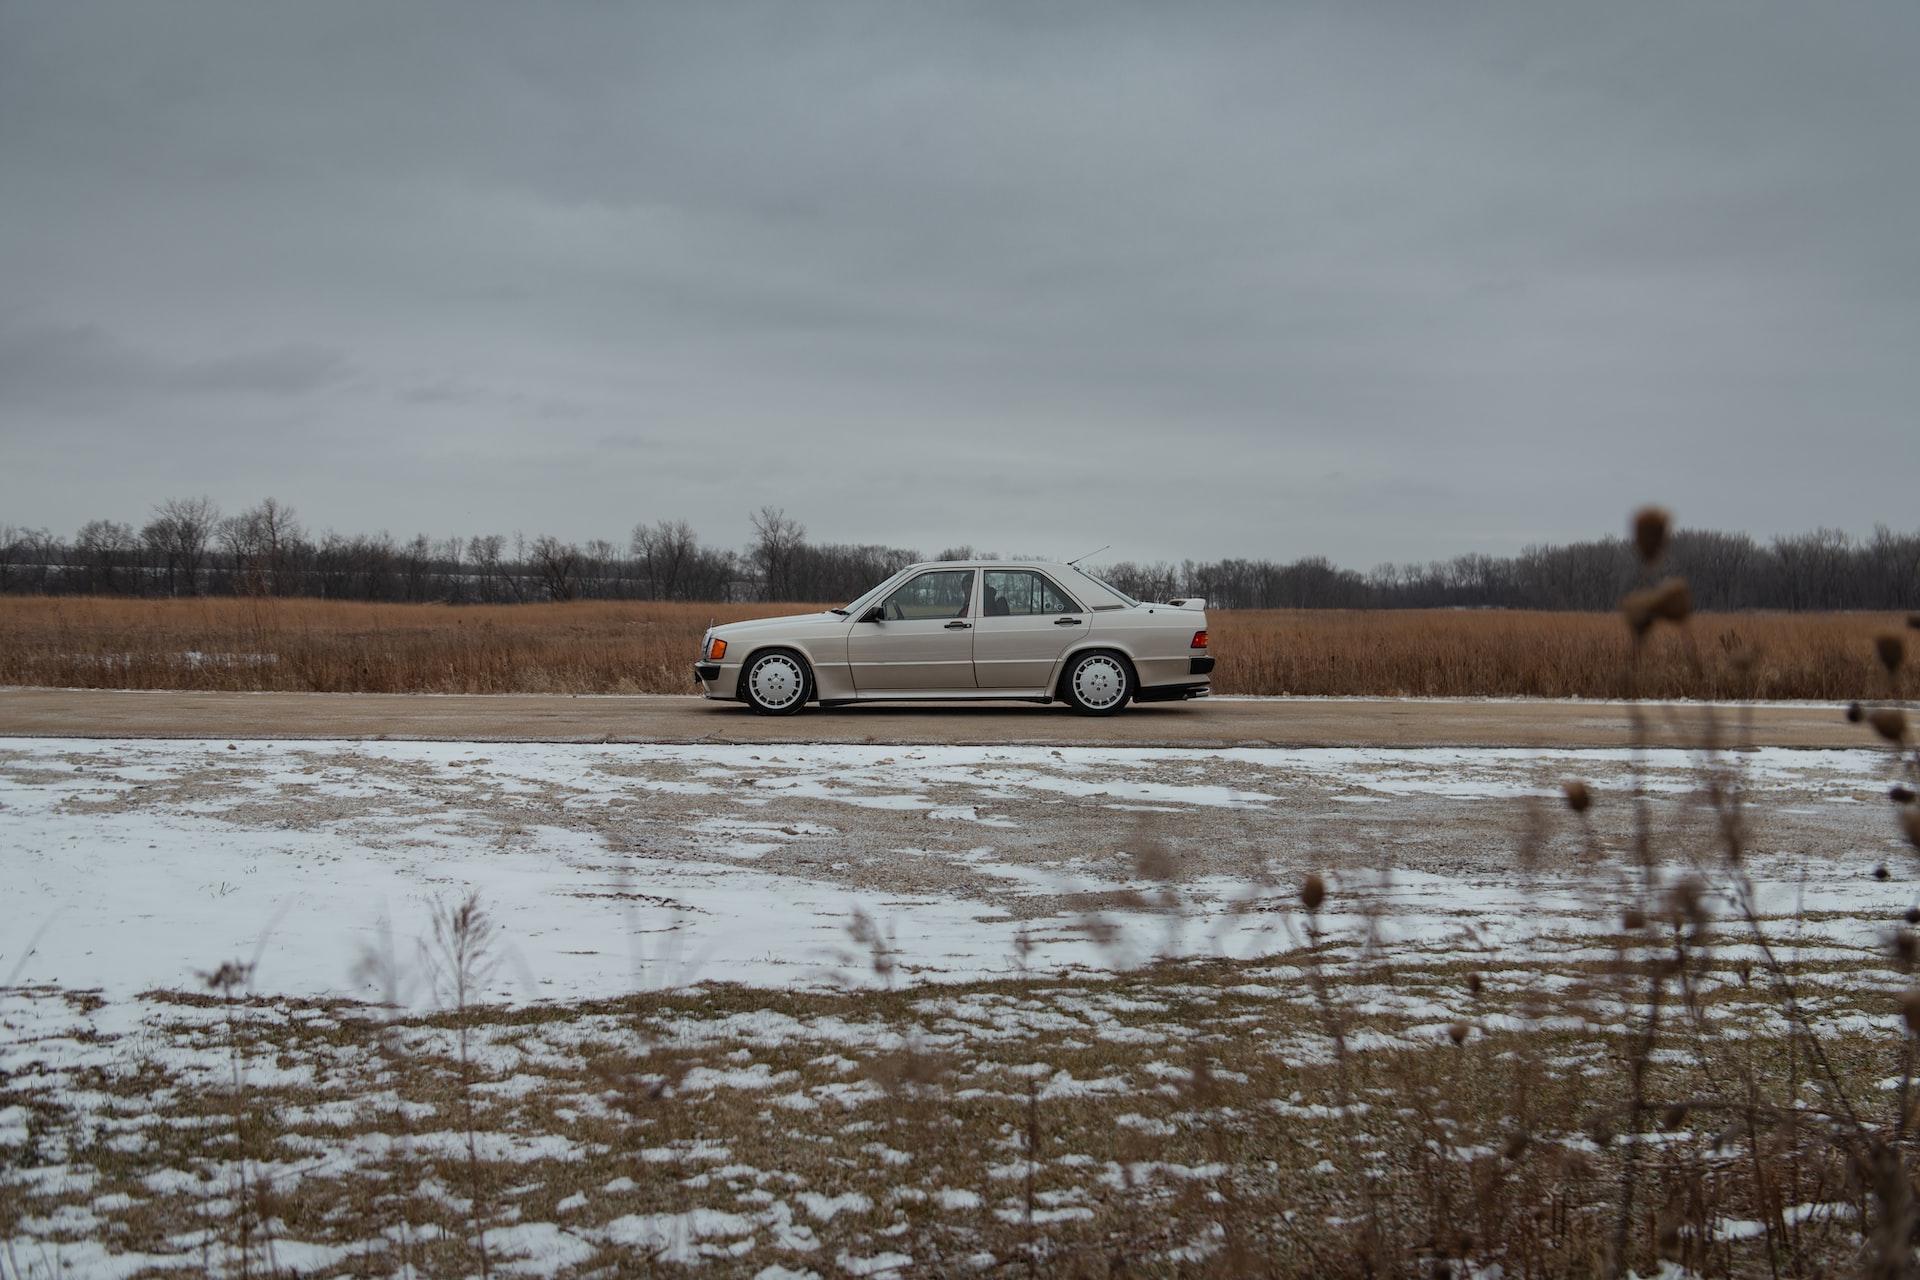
(493, 581)
(556, 567)
(263, 544)
(777, 539)
(43, 560)
(177, 539)
(667, 551)
(108, 552)
(13, 542)
(599, 570)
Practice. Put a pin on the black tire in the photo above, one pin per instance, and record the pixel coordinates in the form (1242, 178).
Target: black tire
(776, 682)
(1097, 683)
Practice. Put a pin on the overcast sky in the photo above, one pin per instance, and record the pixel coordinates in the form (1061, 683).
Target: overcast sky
(1367, 280)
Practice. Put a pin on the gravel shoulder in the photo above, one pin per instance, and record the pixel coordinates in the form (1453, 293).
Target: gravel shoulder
(1213, 722)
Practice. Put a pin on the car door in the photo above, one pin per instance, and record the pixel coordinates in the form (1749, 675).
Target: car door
(1026, 622)
(924, 640)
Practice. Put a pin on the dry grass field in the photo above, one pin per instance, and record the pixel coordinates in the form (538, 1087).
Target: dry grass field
(606, 647)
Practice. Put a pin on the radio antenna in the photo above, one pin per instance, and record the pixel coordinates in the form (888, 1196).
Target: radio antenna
(1075, 563)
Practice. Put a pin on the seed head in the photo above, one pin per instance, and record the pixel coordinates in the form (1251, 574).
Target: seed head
(1889, 722)
(1880, 872)
(1579, 798)
(1473, 984)
(1686, 901)
(1638, 611)
(1671, 601)
(1912, 915)
(1913, 622)
(1668, 602)
(1516, 1146)
(1900, 793)
(1651, 525)
(1910, 820)
(1458, 1032)
(1855, 713)
(1674, 1116)
(1313, 891)
(1910, 1009)
(1892, 648)
(1905, 948)
(1633, 919)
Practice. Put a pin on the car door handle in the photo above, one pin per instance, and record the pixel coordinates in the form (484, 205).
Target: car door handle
(1066, 622)
(957, 625)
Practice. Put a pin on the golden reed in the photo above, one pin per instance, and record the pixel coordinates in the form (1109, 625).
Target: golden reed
(638, 647)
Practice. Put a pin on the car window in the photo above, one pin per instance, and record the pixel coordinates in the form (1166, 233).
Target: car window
(945, 593)
(1021, 593)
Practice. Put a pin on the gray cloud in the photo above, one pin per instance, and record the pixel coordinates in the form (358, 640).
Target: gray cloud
(961, 274)
(84, 362)
(293, 369)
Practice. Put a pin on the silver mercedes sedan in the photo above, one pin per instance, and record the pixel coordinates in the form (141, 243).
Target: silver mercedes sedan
(970, 629)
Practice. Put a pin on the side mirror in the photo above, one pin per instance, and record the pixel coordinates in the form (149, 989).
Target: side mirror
(876, 614)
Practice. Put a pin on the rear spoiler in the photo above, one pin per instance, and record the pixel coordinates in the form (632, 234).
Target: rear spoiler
(1196, 603)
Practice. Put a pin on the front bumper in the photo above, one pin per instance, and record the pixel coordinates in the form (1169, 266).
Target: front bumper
(714, 682)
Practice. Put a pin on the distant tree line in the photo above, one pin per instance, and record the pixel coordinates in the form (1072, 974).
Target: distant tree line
(1825, 569)
(190, 548)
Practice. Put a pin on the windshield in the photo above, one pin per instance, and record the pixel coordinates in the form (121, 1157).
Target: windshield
(873, 597)
(1118, 593)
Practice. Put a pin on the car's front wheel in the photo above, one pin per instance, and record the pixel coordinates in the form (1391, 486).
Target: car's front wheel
(776, 683)
(1097, 683)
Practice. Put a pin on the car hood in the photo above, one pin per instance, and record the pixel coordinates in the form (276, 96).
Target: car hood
(728, 630)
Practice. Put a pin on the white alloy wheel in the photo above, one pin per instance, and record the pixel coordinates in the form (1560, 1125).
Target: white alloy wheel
(776, 683)
(1099, 683)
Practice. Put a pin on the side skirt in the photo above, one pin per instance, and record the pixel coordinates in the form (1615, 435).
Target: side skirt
(1172, 692)
(936, 697)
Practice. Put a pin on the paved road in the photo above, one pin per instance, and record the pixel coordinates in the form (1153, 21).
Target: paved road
(88, 713)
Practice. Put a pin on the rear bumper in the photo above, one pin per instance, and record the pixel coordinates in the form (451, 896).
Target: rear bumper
(1200, 666)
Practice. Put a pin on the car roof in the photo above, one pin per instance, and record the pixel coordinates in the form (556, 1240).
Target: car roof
(990, 564)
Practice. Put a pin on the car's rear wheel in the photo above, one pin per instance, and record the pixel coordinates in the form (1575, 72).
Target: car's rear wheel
(776, 683)
(1097, 683)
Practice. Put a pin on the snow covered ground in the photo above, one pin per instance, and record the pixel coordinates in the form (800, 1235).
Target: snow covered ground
(142, 864)
(138, 866)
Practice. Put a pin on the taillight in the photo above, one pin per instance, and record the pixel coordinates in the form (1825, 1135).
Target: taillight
(1199, 640)
(716, 650)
